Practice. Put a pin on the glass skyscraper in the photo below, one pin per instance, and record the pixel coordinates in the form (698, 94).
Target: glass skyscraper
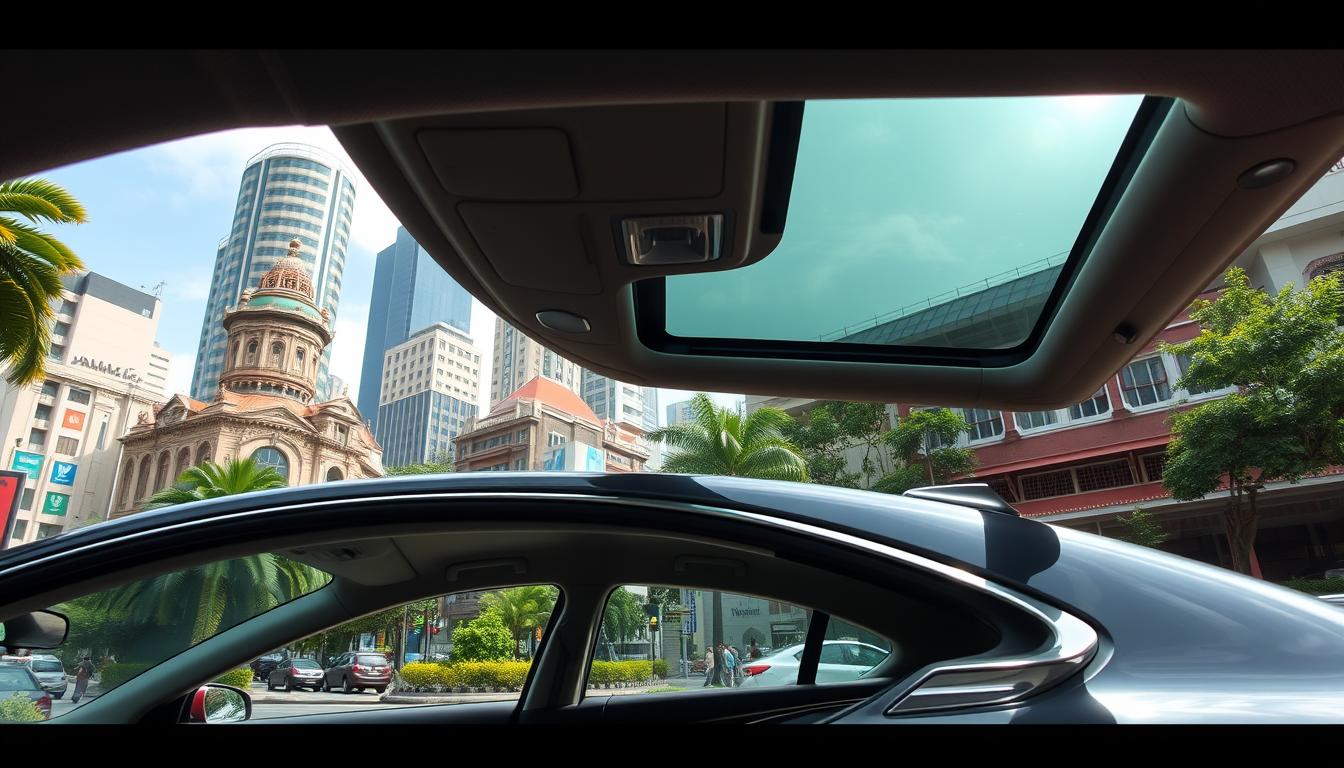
(410, 292)
(288, 192)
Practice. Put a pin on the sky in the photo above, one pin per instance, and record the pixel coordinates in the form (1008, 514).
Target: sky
(157, 214)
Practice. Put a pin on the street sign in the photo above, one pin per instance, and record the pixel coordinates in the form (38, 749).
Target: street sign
(688, 627)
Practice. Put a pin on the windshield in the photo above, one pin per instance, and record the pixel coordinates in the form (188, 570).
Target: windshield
(15, 679)
(305, 664)
(372, 660)
(47, 666)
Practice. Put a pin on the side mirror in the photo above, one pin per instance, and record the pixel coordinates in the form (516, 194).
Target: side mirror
(215, 703)
(39, 630)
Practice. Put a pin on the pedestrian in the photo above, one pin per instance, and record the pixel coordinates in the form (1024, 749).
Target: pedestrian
(729, 667)
(709, 667)
(737, 669)
(82, 679)
(754, 652)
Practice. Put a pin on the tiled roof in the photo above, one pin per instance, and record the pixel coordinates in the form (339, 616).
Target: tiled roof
(552, 393)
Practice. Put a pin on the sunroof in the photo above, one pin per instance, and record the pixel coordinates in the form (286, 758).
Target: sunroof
(943, 223)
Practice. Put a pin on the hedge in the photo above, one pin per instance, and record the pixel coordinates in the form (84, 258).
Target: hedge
(660, 668)
(420, 675)
(1316, 586)
(238, 678)
(112, 675)
(18, 709)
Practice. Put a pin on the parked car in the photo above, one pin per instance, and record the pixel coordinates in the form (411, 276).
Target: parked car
(50, 672)
(841, 660)
(261, 668)
(18, 678)
(357, 670)
(295, 673)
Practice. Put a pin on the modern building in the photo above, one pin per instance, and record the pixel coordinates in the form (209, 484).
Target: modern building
(429, 390)
(545, 426)
(680, 412)
(1084, 465)
(266, 406)
(288, 192)
(103, 371)
(518, 359)
(410, 292)
(614, 400)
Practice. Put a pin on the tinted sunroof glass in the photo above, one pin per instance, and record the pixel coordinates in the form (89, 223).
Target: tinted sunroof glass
(919, 222)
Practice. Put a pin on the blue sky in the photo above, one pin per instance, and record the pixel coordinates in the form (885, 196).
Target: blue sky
(156, 215)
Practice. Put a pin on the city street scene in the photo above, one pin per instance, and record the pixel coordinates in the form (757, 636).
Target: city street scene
(191, 328)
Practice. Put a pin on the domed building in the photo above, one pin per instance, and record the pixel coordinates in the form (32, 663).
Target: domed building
(264, 405)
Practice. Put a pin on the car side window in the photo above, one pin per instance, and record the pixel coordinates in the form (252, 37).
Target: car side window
(676, 639)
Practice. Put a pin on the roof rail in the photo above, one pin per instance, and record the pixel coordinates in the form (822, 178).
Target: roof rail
(974, 495)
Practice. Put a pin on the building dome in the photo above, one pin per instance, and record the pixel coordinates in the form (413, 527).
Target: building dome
(289, 273)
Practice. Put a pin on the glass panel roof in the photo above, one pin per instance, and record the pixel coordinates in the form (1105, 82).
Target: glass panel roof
(919, 222)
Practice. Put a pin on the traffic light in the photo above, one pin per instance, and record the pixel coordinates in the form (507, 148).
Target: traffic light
(651, 609)
(653, 623)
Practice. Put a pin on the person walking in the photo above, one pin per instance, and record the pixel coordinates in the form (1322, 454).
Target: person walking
(737, 668)
(709, 668)
(729, 667)
(82, 679)
(754, 652)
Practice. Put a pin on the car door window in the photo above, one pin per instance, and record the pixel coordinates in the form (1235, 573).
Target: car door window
(850, 652)
(130, 628)
(673, 639)
(457, 648)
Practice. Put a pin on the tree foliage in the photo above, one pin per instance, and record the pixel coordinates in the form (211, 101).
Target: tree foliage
(484, 638)
(718, 441)
(440, 463)
(623, 619)
(1284, 355)
(1142, 528)
(522, 609)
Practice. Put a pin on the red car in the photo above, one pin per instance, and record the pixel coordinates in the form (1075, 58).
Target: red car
(356, 671)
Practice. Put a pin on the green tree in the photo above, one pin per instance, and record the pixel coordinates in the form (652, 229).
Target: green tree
(915, 463)
(441, 462)
(210, 481)
(484, 638)
(522, 609)
(623, 618)
(1285, 357)
(190, 605)
(828, 434)
(1142, 528)
(717, 441)
(31, 266)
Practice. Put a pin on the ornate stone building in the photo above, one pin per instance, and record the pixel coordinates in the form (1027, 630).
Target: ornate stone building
(264, 405)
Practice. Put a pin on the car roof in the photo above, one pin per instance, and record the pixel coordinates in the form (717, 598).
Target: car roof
(518, 150)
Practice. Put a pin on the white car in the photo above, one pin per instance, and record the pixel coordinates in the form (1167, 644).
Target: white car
(841, 660)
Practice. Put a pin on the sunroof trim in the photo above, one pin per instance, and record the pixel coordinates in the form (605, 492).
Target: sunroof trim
(650, 296)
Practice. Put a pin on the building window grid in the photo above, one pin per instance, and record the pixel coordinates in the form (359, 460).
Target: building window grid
(1153, 464)
(1069, 481)
(1144, 382)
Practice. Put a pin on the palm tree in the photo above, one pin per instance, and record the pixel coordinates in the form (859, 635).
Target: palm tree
(31, 266)
(187, 606)
(522, 609)
(718, 441)
(210, 481)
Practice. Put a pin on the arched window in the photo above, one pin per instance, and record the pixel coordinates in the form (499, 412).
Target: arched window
(142, 481)
(334, 474)
(127, 478)
(270, 457)
(277, 354)
(298, 357)
(252, 352)
(202, 454)
(183, 462)
(161, 478)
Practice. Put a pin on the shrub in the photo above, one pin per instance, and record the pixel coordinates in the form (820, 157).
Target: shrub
(484, 638)
(419, 674)
(113, 675)
(660, 668)
(238, 678)
(18, 709)
(477, 674)
(608, 672)
(1316, 586)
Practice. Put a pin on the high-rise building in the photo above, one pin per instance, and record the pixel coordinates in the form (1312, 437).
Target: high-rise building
(288, 192)
(410, 292)
(518, 359)
(679, 412)
(614, 400)
(267, 407)
(103, 371)
(429, 390)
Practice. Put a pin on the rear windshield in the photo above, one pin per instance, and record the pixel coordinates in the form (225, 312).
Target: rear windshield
(47, 666)
(15, 679)
(306, 664)
(372, 660)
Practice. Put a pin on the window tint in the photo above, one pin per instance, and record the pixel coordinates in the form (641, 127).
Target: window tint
(306, 664)
(14, 678)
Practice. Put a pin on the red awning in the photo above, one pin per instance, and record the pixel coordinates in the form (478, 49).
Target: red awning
(1069, 457)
